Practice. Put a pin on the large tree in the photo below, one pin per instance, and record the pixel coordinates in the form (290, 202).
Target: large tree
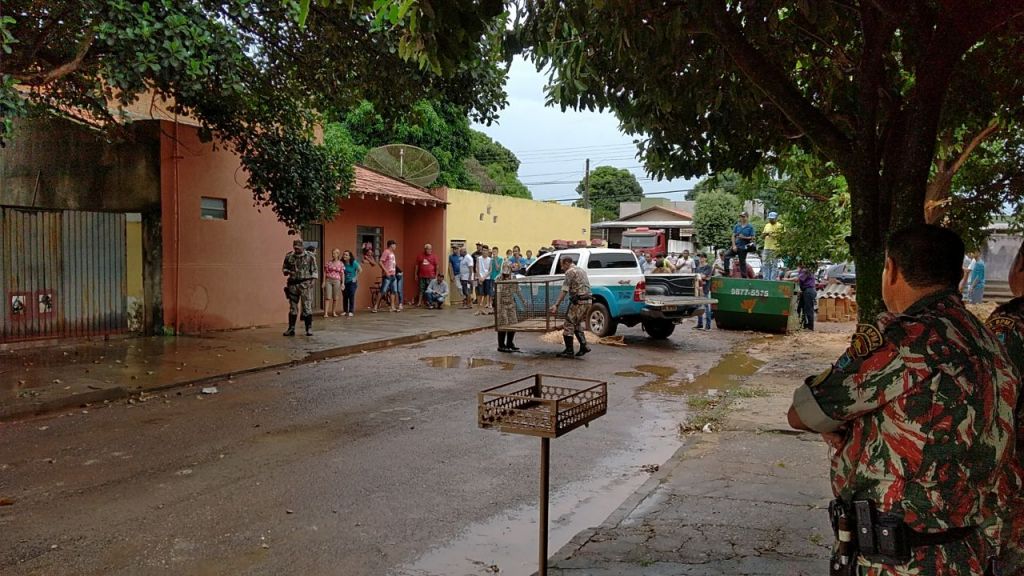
(608, 187)
(869, 85)
(257, 74)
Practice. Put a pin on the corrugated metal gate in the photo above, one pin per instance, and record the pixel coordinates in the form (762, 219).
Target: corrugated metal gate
(63, 273)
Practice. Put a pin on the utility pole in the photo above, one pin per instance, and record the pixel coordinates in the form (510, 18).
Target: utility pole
(586, 185)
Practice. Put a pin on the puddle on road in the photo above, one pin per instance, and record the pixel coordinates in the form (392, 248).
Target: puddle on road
(729, 373)
(630, 374)
(459, 362)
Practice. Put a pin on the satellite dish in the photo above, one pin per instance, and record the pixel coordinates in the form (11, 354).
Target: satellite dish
(410, 163)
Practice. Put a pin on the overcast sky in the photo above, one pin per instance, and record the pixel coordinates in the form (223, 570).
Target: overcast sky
(553, 146)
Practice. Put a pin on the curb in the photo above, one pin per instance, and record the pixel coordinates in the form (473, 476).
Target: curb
(119, 392)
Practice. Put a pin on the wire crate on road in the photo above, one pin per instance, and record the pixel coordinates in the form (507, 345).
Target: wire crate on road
(542, 405)
(521, 304)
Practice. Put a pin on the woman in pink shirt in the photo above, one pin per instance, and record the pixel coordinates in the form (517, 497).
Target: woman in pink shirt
(334, 275)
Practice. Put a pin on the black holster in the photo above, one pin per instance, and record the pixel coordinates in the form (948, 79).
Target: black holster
(881, 537)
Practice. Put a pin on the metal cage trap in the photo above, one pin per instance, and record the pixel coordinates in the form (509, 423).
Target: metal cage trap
(521, 304)
(542, 405)
(546, 406)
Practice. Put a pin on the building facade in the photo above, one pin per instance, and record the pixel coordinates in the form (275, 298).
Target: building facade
(160, 235)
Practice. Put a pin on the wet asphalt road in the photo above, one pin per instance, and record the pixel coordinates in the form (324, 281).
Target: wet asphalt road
(368, 465)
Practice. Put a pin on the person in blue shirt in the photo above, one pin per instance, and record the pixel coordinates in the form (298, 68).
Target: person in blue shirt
(529, 258)
(455, 269)
(742, 242)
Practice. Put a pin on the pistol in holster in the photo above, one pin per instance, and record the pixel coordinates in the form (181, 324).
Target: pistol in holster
(882, 537)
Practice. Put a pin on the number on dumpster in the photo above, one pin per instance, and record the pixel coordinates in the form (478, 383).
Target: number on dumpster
(748, 292)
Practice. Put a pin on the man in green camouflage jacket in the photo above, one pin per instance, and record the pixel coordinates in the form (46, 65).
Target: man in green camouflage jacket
(919, 411)
(300, 268)
(1007, 323)
(577, 287)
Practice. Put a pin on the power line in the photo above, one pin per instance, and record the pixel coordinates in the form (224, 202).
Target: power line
(623, 196)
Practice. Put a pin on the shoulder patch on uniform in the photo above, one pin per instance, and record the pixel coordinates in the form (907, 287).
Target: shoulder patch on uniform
(865, 340)
(999, 323)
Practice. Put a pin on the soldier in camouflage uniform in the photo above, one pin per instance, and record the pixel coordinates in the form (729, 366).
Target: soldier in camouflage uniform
(577, 287)
(300, 268)
(919, 411)
(1007, 323)
(505, 297)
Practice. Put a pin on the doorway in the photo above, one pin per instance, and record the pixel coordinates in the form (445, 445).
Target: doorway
(313, 239)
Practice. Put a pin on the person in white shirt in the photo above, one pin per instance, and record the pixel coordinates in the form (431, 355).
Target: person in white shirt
(483, 272)
(685, 264)
(466, 277)
(968, 268)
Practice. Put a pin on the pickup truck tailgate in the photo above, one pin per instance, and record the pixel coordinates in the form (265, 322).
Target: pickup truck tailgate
(672, 303)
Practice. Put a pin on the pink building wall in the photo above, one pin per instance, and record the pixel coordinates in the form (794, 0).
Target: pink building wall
(222, 274)
(217, 274)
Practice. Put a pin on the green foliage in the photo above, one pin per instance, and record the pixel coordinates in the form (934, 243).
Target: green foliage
(608, 187)
(989, 186)
(493, 167)
(714, 215)
(813, 202)
(279, 177)
(256, 74)
(440, 128)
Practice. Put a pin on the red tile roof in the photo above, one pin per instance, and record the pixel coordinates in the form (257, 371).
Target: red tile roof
(377, 186)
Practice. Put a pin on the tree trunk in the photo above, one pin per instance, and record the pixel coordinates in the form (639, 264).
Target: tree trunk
(868, 243)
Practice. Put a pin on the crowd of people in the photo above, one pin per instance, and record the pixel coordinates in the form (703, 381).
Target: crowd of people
(477, 272)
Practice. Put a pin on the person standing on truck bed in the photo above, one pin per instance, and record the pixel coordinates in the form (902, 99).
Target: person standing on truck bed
(577, 287)
(742, 240)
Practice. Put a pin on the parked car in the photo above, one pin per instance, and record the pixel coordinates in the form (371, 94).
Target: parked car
(845, 272)
(624, 295)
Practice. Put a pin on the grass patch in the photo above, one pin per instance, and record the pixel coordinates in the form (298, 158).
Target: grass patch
(707, 409)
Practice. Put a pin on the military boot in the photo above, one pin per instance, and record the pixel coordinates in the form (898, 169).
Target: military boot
(291, 326)
(308, 319)
(567, 353)
(583, 343)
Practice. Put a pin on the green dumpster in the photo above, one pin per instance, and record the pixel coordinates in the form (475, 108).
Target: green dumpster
(761, 305)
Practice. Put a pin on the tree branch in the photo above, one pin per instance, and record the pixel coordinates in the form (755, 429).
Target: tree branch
(767, 76)
(974, 143)
(43, 78)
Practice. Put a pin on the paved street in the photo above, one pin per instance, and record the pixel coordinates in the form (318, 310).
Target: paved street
(365, 465)
(54, 375)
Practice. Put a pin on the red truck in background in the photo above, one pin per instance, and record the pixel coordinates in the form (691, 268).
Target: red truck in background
(645, 240)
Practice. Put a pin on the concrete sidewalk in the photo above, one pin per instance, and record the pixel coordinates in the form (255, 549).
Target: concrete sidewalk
(748, 500)
(40, 379)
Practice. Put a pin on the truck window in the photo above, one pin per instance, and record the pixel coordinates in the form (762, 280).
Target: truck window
(639, 241)
(615, 260)
(542, 267)
(575, 260)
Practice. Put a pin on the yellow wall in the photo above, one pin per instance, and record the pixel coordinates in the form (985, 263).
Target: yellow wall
(526, 223)
(135, 291)
(134, 253)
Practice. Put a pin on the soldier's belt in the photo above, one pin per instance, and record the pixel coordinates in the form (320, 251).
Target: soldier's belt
(578, 299)
(292, 281)
(883, 537)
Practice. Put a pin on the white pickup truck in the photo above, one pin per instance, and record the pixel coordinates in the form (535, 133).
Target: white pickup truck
(624, 295)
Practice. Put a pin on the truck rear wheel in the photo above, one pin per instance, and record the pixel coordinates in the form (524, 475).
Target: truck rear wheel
(600, 321)
(659, 329)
